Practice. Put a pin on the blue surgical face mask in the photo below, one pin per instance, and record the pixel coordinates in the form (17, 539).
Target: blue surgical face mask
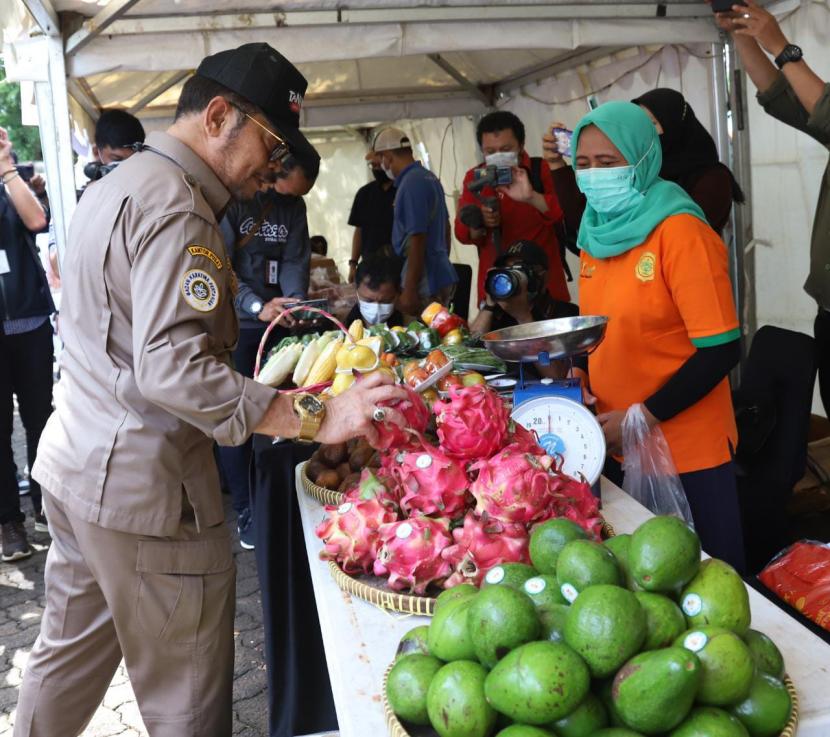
(610, 191)
(376, 312)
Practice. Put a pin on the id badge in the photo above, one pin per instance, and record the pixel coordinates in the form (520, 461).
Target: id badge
(272, 272)
(4, 262)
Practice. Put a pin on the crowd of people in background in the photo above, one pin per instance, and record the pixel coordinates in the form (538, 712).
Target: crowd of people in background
(643, 203)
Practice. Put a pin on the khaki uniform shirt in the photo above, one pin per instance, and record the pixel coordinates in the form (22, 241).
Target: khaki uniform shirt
(781, 102)
(148, 323)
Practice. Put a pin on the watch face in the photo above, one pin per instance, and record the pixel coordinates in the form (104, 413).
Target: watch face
(311, 404)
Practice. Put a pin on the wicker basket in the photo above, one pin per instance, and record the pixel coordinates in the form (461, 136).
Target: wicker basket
(396, 729)
(320, 493)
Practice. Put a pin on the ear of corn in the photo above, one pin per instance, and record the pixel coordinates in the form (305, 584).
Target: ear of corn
(356, 330)
(280, 365)
(307, 359)
(324, 366)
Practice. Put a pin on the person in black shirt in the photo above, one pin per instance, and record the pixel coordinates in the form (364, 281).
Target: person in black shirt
(378, 282)
(372, 216)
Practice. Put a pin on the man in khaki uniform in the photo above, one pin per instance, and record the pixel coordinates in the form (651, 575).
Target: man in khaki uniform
(140, 565)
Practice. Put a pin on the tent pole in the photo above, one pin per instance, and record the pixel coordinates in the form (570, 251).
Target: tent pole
(56, 140)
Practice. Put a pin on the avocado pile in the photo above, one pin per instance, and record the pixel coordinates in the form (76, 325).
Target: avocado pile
(632, 637)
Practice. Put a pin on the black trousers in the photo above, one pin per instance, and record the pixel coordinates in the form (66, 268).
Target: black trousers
(299, 692)
(235, 461)
(26, 371)
(713, 498)
(821, 331)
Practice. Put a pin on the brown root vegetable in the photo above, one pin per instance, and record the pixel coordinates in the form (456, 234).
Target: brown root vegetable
(314, 469)
(333, 455)
(329, 479)
(352, 480)
(374, 461)
(343, 470)
(360, 457)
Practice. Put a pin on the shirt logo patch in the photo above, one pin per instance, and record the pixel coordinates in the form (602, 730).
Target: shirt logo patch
(200, 290)
(268, 231)
(207, 253)
(295, 101)
(645, 267)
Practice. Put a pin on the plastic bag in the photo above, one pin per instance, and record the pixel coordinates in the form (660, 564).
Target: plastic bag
(800, 575)
(650, 475)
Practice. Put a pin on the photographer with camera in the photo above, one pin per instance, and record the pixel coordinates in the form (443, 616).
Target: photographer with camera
(116, 134)
(510, 198)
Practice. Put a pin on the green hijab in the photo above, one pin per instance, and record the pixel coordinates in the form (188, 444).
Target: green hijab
(633, 133)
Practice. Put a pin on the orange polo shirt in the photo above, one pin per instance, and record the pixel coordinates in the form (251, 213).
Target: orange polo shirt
(665, 298)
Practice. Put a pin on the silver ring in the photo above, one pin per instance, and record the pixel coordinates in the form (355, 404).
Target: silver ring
(379, 414)
(747, 15)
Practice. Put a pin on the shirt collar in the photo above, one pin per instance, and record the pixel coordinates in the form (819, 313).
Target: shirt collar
(399, 178)
(215, 192)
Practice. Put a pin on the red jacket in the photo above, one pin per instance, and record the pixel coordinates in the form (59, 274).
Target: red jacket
(519, 221)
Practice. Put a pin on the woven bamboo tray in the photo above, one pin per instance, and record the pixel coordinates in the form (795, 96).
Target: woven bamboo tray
(396, 729)
(374, 589)
(320, 493)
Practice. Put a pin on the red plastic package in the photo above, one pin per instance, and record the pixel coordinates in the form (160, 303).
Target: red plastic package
(800, 575)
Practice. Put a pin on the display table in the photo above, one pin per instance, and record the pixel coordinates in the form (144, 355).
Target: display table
(360, 640)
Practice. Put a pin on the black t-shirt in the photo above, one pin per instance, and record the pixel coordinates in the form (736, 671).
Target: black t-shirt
(373, 212)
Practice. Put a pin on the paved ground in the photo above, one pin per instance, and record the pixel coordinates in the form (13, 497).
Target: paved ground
(21, 606)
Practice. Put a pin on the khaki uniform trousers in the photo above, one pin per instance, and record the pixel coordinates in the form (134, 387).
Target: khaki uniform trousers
(165, 604)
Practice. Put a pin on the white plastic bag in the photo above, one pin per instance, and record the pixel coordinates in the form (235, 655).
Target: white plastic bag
(650, 475)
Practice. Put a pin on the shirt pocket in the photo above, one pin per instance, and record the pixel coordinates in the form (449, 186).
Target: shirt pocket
(178, 583)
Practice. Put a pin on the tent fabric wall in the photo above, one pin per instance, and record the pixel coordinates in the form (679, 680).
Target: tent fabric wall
(787, 167)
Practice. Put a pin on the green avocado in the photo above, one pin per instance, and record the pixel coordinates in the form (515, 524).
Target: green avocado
(455, 701)
(620, 546)
(449, 637)
(583, 721)
(664, 554)
(553, 622)
(524, 730)
(654, 691)
(456, 592)
(707, 721)
(603, 690)
(414, 641)
(606, 625)
(548, 539)
(766, 711)
(513, 575)
(500, 619)
(728, 667)
(407, 686)
(616, 732)
(584, 563)
(767, 656)
(716, 597)
(664, 620)
(538, 683)
(544, 592)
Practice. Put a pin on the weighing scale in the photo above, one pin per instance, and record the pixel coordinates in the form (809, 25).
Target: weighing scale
(553, 408)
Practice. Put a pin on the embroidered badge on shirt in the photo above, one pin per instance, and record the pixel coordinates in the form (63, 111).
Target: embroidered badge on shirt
(207, 253)
(199, 290)
(645, 267)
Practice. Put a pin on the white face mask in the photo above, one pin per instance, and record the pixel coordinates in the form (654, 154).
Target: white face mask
(387, 169)
(376, 312)
(502, 158)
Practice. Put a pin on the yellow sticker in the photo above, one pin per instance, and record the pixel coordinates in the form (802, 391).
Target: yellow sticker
(645, 267)
(200, 290)
(207, 253)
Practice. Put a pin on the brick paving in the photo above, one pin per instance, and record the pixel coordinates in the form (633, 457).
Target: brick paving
(21, 607)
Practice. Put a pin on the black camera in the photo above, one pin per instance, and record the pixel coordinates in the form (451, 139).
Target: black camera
(507, 282)
(26, 171)
(490, 176)
(95, 170)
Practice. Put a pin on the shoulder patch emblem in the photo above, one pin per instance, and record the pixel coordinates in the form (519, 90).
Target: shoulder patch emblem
(645, 267)
(199, 290)
(207, 253)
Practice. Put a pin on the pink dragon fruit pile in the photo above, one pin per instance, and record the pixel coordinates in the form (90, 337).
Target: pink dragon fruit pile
(456, 494)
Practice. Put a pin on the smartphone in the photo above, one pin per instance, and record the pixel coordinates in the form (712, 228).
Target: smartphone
(725, 6)
(564, 137)
(26, 171)
(320, 304)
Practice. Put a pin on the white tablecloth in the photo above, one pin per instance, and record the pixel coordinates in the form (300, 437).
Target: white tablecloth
(361, 640)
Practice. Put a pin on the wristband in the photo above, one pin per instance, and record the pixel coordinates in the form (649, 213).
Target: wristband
(6, 181)
(7, 172)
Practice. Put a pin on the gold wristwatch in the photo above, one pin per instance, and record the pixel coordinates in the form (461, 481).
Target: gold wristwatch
(311, 412)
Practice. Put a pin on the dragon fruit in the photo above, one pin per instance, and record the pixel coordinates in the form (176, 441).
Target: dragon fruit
(523, 440)
(513, 487)
(472, 423)
(375, 483)
(481, 544)
(574, 500)
(416, 414)
(410, 553)
(432, 482)
(350, 531)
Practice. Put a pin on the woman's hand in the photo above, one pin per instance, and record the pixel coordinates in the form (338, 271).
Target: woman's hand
(611, 423)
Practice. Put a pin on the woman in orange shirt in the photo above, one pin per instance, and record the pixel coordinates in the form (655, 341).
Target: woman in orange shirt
(652, 264)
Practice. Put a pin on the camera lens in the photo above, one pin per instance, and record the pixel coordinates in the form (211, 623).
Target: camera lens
(502, 284)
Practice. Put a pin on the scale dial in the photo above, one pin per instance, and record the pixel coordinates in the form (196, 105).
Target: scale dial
(568, 429)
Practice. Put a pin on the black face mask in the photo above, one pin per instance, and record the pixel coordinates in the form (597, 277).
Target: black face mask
(380, 175)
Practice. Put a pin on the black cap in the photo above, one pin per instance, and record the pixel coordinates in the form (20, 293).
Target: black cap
(528, 252)
(267, 79)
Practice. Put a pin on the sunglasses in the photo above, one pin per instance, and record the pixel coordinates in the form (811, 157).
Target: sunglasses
(280, 151)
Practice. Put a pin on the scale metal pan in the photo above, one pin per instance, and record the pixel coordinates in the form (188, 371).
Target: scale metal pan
(561, 338)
